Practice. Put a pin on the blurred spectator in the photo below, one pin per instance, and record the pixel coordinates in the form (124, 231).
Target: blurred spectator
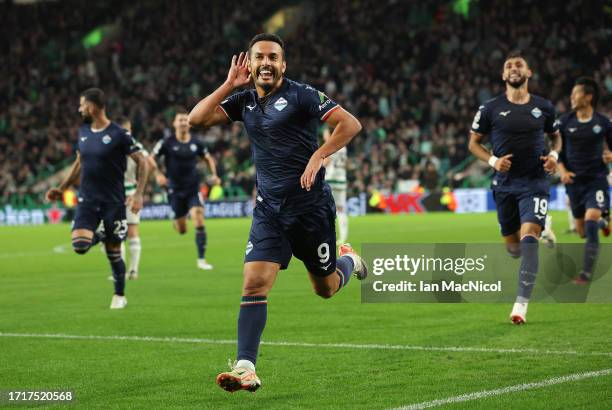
(414, 73)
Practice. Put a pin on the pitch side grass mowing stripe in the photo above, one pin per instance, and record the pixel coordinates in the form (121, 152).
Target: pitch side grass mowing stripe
(464, 349)
(510, 389)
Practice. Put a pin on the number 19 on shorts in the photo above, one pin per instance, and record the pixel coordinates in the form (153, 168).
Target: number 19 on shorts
(540, 207)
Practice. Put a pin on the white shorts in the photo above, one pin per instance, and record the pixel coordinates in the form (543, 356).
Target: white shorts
(132, 218)
(339, 194)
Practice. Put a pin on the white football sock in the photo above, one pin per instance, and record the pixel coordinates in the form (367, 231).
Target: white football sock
(135, 249)
(245, 364)
(123, 251)
(342, 226)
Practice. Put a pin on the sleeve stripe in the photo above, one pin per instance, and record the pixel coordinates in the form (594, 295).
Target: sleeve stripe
(225, 112)
(328, 113)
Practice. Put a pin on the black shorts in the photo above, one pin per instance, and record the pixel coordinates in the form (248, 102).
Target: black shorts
(88, 216)
(586, 193)
(515, 208)
(310, 237)
(182, 201)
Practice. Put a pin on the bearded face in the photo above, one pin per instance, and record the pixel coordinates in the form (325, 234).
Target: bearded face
(267, 64)
(516, 72)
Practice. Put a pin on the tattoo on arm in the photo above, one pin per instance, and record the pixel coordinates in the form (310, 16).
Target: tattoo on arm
(141, 171)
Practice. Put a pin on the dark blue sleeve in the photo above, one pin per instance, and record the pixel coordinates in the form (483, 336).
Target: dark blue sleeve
(159, 150)
(550, 123)
(482, 120)
(609, 134)
(233, 106)
(202, 150)
(128, 143)
(315, 103)
(559, 124)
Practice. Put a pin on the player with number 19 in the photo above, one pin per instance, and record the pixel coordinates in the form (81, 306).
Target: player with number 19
(102, 151)
(515, 123)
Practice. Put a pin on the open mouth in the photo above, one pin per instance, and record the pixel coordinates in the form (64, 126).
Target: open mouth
(265, 74)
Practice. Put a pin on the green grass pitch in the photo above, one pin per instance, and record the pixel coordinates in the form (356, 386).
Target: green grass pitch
(46, 289)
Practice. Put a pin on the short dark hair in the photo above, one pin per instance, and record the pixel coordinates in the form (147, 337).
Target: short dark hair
(517, 54)
(180, 110)
(591, 87)
(123, 120)
(96, 96)
(267, 37)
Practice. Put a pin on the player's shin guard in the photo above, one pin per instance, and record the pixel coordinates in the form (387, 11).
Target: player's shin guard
(591, 248)
(118, 267)
(251, 323)
(344, 269)
(528, 269)
(135, 250)
(81, 244)
(200, 238)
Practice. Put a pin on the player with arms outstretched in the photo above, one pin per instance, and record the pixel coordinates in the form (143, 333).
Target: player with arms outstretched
(295, 212)
(515, 123)
(181, 153)
(584, 170)
(103, 148)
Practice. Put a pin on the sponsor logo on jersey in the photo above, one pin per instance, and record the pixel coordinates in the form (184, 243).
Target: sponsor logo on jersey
(249, 247)
(251, 107)
(106, 139)
(325, 104)
(175, 148)
(322, 97)
(597, 128)
(504, 113)
(280, 104)
(572, 129)
(83, 139)
(536, 112)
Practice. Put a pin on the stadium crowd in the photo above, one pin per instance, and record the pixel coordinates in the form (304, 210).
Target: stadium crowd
(413, 72)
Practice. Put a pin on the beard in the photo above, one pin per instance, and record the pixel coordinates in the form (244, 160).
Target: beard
(517, 83)
(267, 86)
(87, 119)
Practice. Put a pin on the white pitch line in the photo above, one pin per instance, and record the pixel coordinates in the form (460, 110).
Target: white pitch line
(458, 349)
(504, 390)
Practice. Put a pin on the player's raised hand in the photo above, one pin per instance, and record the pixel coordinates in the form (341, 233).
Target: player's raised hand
(238, 74)
(504, 163)
(607, 157)
(550, 163)
(567, 177)
(54, 194)
(310, 173)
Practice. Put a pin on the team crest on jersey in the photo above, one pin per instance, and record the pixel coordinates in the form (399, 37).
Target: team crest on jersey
(280, 104)
(106, 139)
(193, 147)
(597, 128)
(536, 112)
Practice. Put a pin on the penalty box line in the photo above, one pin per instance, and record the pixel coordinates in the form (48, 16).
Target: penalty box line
(505, 390)
(447, 349)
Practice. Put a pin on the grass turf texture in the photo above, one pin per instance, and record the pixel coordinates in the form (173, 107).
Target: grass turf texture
(43, 291)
